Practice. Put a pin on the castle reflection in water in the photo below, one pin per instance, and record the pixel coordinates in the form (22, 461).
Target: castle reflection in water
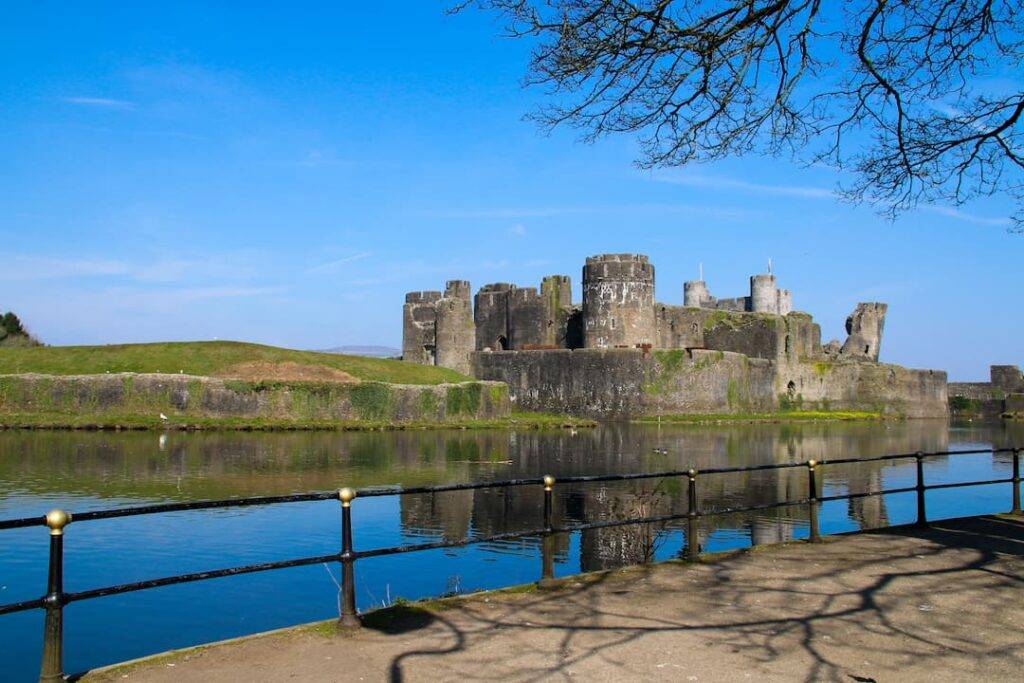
(103, 467)
(626, 448)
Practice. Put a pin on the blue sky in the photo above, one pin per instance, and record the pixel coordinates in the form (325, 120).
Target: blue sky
(283, 175)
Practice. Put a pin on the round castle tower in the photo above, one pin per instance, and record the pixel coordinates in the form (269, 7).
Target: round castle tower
(618, 301)
(695, 293)
(764, 294)
(456, 332)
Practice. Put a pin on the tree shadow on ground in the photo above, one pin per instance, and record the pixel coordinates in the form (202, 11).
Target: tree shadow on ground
(843, 610)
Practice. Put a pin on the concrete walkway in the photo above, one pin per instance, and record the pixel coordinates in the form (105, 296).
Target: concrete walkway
(942, 604)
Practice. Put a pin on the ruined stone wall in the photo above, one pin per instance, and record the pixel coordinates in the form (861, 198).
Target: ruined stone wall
(556, 293)
(618, 383)
(680, 327)
(771, 337)
(419, 332)
(1007, 378)
(456, 331)
(623, 382)
(618, 301)
(184, 397)
(737, 304)
(853, 385)
(865, 327)
(526, 318)
(490, 314)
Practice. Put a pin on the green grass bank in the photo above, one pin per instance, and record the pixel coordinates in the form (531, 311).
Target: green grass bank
(238, 386)
(210, 359)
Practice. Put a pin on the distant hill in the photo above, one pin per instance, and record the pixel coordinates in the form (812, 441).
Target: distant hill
(370, 351)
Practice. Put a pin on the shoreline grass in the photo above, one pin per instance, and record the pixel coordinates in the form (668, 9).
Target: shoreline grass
(782, 416)
(129, 422)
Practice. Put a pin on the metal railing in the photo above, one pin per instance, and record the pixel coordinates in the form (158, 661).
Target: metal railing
(56, 597)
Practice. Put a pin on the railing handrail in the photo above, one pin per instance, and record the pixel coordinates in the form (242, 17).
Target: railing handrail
(55, 599)
(379, 491)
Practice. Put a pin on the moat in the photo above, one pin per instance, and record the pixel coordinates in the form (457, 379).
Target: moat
(81, 471)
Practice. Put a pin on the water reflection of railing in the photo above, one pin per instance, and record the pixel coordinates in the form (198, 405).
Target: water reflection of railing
(55, 599)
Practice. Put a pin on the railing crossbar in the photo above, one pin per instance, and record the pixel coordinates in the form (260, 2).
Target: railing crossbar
(374, 492)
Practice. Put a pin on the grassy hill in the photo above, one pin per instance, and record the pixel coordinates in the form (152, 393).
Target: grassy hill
(207, 358)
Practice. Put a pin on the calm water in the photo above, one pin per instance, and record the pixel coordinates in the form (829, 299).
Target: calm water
(82, 471)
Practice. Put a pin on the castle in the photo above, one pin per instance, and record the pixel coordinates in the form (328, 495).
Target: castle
(620, 352)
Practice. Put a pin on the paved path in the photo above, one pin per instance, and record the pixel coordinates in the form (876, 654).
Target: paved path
(945, 604)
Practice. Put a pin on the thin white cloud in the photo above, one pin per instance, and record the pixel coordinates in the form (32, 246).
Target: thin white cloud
(953, 212)
(512, 213)
(107, 102)
(25, 267)
(723, 183)
(132, 297)
(517, 230)
(332, 266)
(807, 192)
(28, 267)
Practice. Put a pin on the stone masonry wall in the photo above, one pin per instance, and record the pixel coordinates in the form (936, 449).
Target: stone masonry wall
(853, 385)
(607, 383)
(183, 396)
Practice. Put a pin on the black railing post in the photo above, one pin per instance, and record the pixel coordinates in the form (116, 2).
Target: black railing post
(547, 543)
(1016, 482)
(692, 539)
(52, 668)
(349, 617)
(812, 500)
(922, 517)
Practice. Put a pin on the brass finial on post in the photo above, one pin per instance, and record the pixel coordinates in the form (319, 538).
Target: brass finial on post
(547, 548)
(52, 668)
(349, 617)
(57, 520)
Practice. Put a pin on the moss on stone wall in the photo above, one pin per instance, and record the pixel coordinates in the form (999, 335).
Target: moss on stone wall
(789, 403)
(822, 368)
(428, 405)
(726, 318)
(669, 363)
(371, 401)
(708, 360)
(463, 399)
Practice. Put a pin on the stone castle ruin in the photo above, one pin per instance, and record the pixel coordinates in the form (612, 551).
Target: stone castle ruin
(620, 352)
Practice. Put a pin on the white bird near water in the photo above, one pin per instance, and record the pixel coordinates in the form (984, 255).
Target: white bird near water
(163, 417)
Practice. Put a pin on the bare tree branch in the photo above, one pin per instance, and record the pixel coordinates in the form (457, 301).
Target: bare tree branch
(918, 100)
